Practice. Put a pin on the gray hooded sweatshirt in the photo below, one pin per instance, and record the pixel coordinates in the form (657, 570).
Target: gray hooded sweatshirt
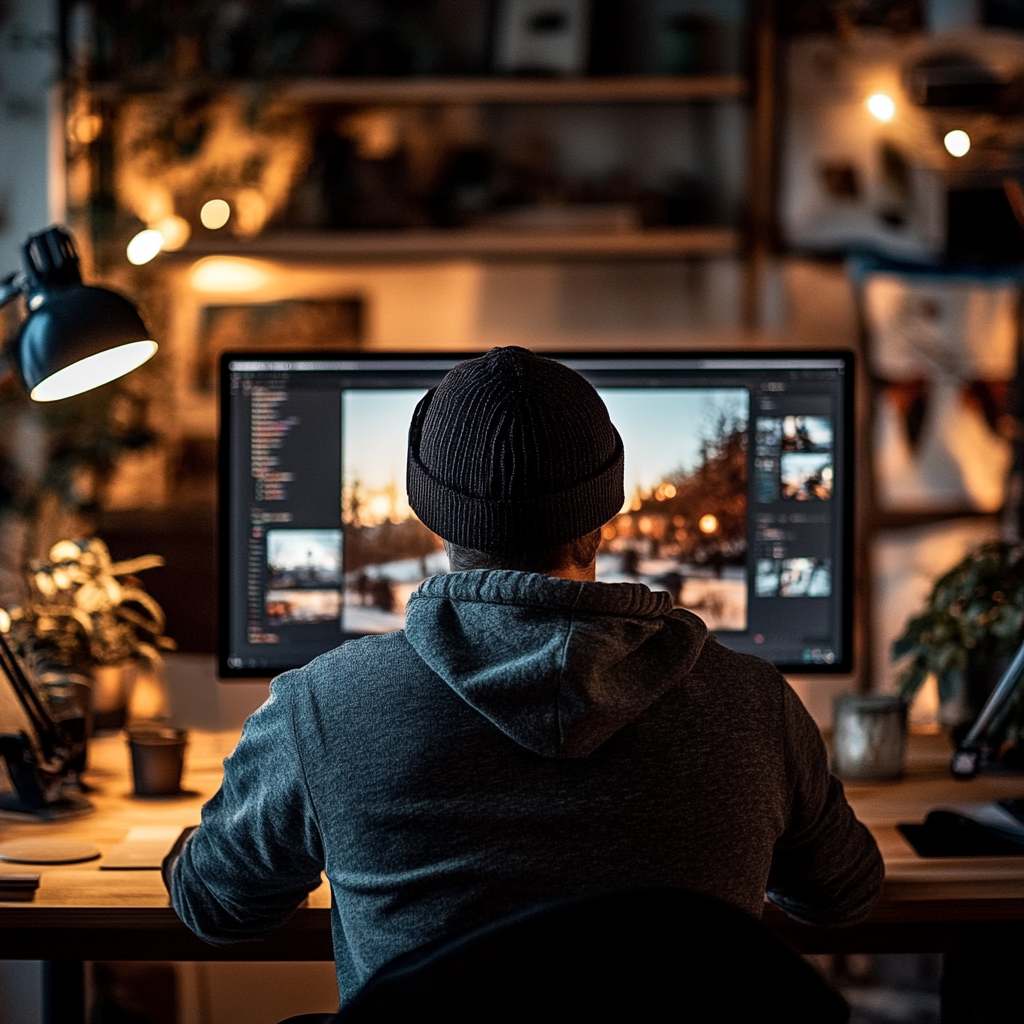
(524, 739)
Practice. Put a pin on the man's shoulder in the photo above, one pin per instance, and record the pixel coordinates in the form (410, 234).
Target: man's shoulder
(717, 659)
(368, 654)
(750, 684)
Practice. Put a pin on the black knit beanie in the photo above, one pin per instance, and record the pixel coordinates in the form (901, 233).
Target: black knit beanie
(512, 452)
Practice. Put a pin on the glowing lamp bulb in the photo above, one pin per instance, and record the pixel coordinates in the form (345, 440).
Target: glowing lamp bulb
(215, 214)
(93, 371)
(708, 523)
(144, 246)
(881, 107)
(957, 142)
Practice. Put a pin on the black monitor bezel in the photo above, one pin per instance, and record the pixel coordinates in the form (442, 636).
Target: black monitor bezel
(839, 667)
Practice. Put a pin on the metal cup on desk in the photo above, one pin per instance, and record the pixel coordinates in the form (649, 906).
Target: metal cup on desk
(869, 737)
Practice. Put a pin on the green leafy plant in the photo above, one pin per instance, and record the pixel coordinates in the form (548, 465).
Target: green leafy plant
(973, 622)
(85, 609)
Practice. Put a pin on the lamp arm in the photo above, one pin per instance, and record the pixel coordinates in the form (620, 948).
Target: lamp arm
(46, 730)
(967, 757)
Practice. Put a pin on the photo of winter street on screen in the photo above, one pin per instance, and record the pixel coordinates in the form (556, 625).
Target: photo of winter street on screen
(386, 551)
(682, 529)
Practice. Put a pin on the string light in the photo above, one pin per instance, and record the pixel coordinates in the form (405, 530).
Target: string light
(881, 106)
(175, 232)
(957, 142)
(144, 246)
(215, 213)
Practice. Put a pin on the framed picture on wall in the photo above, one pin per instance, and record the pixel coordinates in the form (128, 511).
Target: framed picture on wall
(542, 37)
(300, 324)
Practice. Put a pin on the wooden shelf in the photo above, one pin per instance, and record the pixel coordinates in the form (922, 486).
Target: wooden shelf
(657, 243)
(618, 89)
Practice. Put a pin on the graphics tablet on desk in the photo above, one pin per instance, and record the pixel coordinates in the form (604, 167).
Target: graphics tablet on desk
(993, 829)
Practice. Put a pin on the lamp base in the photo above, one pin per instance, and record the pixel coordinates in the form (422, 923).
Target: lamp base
(70, 806)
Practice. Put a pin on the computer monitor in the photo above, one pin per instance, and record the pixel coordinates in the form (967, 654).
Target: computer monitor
(738, 503)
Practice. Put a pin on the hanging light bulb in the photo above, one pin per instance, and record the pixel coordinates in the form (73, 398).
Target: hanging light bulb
(215, 213)
(144, 246)
(957, 142)
(881, 106)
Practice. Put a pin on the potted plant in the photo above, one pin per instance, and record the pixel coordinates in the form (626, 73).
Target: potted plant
(971, 626)
(89, 615)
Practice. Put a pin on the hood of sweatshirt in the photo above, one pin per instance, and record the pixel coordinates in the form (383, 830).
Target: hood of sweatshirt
(557, 665)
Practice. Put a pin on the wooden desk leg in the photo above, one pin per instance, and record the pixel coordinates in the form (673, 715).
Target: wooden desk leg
(64, 992)
(981, 985)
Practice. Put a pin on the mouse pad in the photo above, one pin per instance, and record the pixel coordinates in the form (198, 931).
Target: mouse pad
(948, 835)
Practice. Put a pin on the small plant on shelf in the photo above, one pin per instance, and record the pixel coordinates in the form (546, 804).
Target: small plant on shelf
(85, 610)
(972, 624)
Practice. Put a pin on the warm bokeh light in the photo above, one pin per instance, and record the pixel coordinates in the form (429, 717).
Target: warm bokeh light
(708, 523)
(93, 371)
(144, 246)
(87, 128)
(881, 106)
(957, 142)
(215, 213)
(174, 230)
(250, 212)
(228, 274)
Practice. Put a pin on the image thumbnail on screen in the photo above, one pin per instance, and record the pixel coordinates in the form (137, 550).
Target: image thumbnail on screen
(806, 468)
(303, 576)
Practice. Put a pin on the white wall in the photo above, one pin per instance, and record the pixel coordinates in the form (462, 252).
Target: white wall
(30, 126)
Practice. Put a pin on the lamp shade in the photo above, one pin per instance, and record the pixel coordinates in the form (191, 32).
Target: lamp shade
(79, 337)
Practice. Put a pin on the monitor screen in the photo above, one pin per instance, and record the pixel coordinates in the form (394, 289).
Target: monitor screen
(738, 498)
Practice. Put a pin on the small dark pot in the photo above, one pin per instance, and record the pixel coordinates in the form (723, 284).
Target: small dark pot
(158, 757)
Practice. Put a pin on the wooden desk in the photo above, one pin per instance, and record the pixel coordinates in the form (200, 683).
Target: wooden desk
(81, 912)
(933, 904)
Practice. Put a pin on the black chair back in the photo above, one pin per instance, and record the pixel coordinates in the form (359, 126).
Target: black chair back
(636, 955)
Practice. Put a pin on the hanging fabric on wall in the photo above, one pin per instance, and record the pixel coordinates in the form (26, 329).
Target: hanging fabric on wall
(942, 347)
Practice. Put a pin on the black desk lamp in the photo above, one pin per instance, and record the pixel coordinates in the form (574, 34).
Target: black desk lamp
(75, 338)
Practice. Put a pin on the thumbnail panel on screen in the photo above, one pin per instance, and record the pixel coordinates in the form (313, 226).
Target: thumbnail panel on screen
(806, 469)
(793, 577)
(682, 528)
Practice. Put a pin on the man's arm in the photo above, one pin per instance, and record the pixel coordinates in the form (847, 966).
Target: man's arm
(826, 868)
(258, 852)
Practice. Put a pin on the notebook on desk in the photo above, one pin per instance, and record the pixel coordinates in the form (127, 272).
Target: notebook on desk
(143, 849)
